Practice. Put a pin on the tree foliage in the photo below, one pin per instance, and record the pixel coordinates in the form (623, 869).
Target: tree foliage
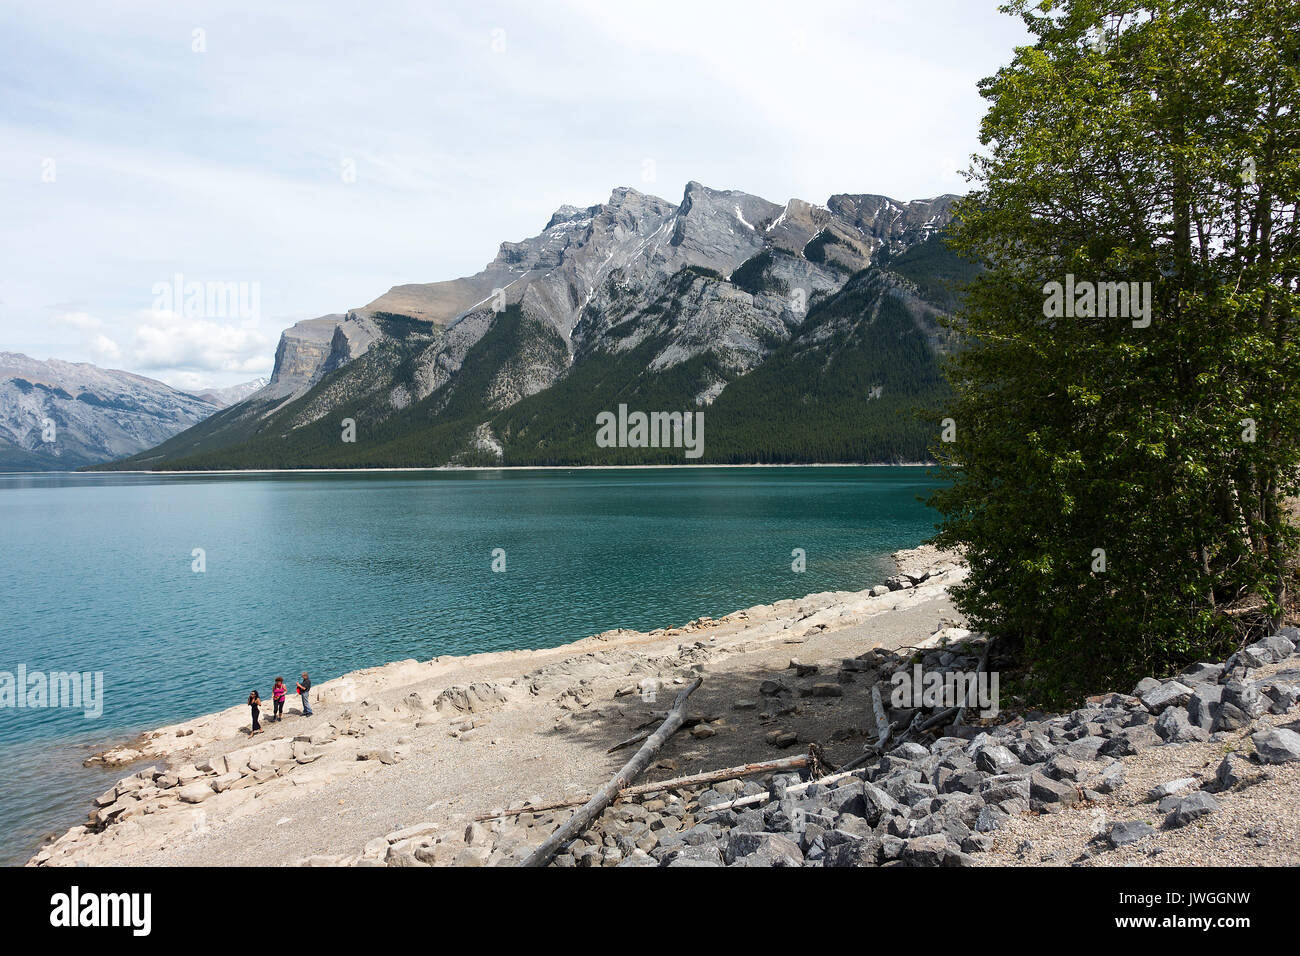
(1119, 490)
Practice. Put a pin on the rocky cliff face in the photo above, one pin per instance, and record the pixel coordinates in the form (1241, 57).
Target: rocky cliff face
(313, 348)
(62, 415)
(698, 293)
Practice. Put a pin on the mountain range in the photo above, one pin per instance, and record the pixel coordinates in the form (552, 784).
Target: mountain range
(232, 394)
(803, 332)
(59, 416)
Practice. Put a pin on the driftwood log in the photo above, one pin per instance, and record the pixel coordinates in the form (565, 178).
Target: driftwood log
(636, 738)
(606, 794)
(984, 658)
(767, 797)
(883, 726)
(709, 776)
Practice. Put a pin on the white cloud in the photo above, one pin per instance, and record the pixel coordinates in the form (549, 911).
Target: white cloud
(104, 348)
(167, 341)
(192, 382)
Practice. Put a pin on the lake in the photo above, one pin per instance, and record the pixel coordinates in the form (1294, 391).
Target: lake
(187, 591)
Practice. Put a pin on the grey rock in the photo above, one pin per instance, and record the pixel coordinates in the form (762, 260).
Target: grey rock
(929, 850)
(990, 819)
(1250, 658)
(1171, 788)
(1064, 767)
(1277, 745)
(1175, 726)
(1191, 808)
(910, 751)
(762, 849)
(914, 794)
(1240, 705)
(1085, 748)
(1281, 696)
(1122, 834)
(1110, 779)
(851, 852)
(891, 848)
(1036, 749)
(1145, 686)
(1130, 741)
(1203, 706)
(1277, 645)
(993, 759)
(705, 854)
(1203, 673)
(1229, 773)
(977, 843)
(1169, 694)
(877, 803)
(638, 858)
(1048, 791)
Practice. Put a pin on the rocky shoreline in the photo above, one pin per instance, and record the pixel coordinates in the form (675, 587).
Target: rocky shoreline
(415, 763)
(956, 801)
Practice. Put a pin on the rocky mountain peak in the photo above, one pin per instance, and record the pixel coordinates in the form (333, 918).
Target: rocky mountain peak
(567, 214)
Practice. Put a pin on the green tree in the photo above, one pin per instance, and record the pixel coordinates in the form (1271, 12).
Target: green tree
(1119, 487)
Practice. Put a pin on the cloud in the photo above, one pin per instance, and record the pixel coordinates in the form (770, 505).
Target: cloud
(193, 382)
(165, 341)
(104, 348)
(93, 340)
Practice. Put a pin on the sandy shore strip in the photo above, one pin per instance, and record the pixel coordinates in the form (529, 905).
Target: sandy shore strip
(431, 744)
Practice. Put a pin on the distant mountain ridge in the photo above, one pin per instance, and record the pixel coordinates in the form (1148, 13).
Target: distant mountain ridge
(806, 332)
(57, 415)
(232, 394)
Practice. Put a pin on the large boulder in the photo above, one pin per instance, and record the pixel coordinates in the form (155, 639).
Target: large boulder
(1277, 745)
(1169, 694)
(195, 792)
(1175, 726)
(1191, 808)
(1203, 706)
(1240, 705)
(1122, 834)
(1276, 647)
(1129, 741)
(762, 849)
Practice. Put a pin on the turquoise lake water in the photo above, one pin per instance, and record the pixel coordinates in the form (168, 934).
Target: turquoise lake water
(332, 572)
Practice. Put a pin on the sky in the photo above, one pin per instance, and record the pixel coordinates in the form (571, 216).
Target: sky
(287, 160)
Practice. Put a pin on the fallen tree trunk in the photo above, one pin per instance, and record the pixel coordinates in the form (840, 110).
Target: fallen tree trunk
(710, 776)
(883, 727)
(606, 794)
(961, 714)
(637, 738)
(765, 797)
(717, 776)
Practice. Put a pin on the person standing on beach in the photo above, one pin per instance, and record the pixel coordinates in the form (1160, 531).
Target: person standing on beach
(255, 705)
(278, 693)
(304, 687)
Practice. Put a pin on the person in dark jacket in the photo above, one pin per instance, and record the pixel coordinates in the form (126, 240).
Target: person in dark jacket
(304, 689)
(255, 705)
